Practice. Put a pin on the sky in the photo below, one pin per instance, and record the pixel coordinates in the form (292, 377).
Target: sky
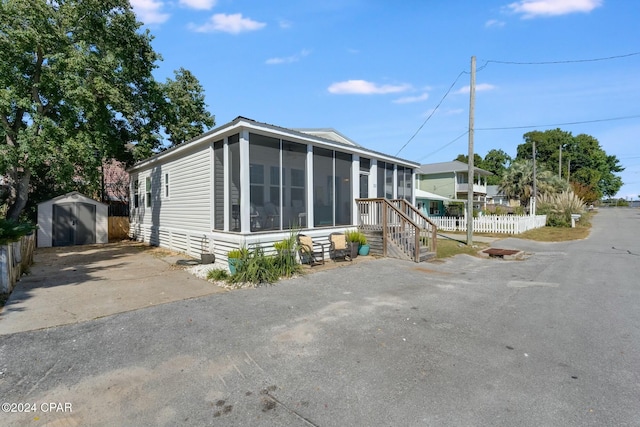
(394, 76)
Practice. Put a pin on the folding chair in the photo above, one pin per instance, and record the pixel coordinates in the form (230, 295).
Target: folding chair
(310, 253)
(338, 247)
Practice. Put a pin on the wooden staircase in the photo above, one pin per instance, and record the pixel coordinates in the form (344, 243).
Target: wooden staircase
(396, 229)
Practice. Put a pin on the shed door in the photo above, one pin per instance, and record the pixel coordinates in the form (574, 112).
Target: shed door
(85, 224)
(74, 224)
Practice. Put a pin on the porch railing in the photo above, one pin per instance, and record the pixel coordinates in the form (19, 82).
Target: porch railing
(400, 223)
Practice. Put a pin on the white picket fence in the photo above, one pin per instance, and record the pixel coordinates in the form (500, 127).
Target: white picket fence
(507, 224)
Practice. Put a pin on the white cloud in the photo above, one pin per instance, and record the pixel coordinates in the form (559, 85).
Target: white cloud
(482, 87)
(284, 24)
(412, 99)
(199, 4)
(363, 87)
(494, 23)
(535, 8)
(233, 24)
(288, 59)
(149, 11)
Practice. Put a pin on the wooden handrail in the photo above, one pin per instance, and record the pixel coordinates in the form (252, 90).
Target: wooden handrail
(397, 224)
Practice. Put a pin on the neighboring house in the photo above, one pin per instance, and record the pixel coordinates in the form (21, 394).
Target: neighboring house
(451, 180)
(247, 182)
(496, 197)
(431, 204)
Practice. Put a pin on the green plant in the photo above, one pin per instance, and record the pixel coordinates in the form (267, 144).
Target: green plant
(286, 245)
(217, 274)
(256, 268)
(240, 253)
(500, 210)
(355, 236)
(558, 207)
(11, 231)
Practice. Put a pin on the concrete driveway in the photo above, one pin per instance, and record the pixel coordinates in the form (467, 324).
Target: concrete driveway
(78, 283)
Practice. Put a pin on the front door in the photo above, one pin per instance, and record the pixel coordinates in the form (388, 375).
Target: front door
(364, 186)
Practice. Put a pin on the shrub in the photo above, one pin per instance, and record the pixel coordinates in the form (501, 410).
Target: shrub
(355, 236)
(500, 210)
(11, 231)
(217, 275)
(256, 268)
(238, 253)
(559, 206)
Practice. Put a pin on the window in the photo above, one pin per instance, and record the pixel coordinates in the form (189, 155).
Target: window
(264, 171)
(234, 181)
(136, 195)
(294, 190)
(148, 191)
(166, 185)
(218, 184)
(332, 187)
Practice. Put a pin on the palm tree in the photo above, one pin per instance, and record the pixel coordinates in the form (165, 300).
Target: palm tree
(517, 182)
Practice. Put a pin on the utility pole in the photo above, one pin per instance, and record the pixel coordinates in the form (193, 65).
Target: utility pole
(472, 101)
(535, 189)
(560, 163)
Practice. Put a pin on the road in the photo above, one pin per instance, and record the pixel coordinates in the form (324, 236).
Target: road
(552, 340)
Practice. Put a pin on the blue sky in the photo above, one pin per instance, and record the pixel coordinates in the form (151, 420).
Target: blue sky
(376, 70)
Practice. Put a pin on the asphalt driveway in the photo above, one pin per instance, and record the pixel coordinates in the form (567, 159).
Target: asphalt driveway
(552, 340)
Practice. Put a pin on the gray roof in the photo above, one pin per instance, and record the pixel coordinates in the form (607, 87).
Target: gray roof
(323, 136)
(454, 166)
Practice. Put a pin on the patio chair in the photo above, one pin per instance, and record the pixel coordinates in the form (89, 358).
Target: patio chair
(338, 247)
(310, 253)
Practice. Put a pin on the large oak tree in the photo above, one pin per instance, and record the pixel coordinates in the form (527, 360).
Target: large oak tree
(76, 89)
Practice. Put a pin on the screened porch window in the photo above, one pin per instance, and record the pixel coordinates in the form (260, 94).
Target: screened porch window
(264, 171)
(332, 188)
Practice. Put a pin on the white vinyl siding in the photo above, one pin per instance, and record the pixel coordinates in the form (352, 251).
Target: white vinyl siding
(189, 206)
(181, 221)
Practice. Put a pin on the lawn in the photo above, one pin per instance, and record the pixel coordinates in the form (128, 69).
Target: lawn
(448, 248)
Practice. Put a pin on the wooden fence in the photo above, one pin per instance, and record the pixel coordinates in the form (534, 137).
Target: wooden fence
(505, 224)
(15, 258)
(118, 228)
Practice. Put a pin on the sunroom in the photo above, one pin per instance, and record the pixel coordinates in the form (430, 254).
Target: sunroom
(248, 183)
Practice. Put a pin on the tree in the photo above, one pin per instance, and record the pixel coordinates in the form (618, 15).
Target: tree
(496, 161)
(517, 181)
(586, 162)
(186, 115)
(76, 90)
(464, 158)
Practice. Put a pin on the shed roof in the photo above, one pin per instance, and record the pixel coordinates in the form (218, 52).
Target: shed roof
(74, 195)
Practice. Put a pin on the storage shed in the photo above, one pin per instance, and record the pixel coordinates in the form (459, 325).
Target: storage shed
(72, 219)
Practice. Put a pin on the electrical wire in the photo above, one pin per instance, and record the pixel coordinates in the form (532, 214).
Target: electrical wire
(562, 124)
(486, 63)
(608, 58)
(432, 112)
(444, 146)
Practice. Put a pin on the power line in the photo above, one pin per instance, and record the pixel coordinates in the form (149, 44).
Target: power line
(432, 113)
(572, 61)
(444, 146)
(562, 124)
(487, 62)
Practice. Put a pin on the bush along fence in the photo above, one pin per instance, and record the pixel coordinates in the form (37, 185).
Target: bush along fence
(507, 224)
(17, 244)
